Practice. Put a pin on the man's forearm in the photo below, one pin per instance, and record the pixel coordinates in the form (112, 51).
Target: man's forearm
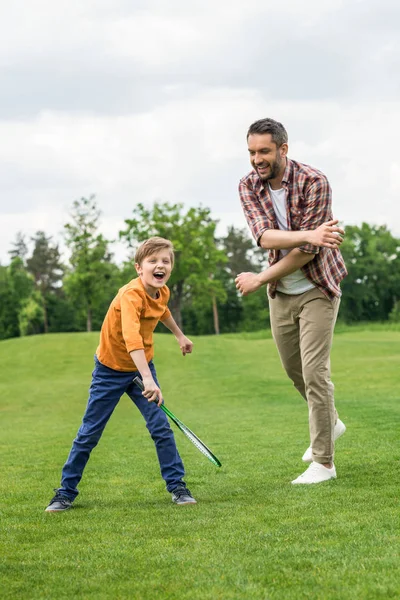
(287, 265)
(276, 239)
(328, 235)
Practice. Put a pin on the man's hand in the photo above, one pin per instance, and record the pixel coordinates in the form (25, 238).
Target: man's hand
(185, 344)
(328, 235)
(151, 391)
(247, 283)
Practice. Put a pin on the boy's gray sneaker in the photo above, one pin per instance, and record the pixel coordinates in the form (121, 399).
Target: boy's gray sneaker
(181, 495)
(59, 503)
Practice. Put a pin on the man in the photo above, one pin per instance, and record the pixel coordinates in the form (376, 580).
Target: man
(288, 208)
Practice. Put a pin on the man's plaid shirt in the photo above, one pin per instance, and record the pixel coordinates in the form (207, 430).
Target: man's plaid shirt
(309, 204)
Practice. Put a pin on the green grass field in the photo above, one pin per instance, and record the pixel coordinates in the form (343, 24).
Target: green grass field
(252, 535)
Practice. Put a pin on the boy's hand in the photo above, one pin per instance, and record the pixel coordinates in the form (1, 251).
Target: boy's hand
(151, 391)
(328, 235)
(247, 283)
(185, 345)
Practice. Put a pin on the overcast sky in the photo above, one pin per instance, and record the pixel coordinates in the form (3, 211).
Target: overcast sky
(137, 101)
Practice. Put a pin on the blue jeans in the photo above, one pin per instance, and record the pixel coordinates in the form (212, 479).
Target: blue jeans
(106, 389)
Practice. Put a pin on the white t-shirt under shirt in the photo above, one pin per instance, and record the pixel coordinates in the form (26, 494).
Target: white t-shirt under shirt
(297, 282)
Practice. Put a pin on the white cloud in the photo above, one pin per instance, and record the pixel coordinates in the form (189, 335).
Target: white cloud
(137, 101)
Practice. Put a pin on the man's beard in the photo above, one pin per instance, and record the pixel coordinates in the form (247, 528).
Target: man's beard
(274, 171)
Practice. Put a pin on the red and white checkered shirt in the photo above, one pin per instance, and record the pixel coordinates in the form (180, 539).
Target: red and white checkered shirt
(308, 205)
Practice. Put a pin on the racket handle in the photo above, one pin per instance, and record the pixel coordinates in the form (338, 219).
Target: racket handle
(138, 382)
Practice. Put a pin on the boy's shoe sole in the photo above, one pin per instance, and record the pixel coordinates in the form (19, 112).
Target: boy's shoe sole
(59, 504)
(339, 430)
(182, 496)
(182, 502)
(55, 509)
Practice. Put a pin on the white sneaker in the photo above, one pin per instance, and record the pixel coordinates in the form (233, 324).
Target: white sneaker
(316, 473)
(339, 430)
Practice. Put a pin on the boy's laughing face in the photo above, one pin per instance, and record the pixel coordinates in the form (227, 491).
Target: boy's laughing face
(154, 271)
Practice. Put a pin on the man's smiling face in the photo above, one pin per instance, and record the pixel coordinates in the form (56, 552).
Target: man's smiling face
(155, 270)
(266, 158)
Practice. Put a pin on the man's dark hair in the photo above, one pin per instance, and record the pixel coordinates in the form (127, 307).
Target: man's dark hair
(278, 132)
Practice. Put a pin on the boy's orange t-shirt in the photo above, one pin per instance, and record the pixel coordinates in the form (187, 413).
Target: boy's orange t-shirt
(129, 325)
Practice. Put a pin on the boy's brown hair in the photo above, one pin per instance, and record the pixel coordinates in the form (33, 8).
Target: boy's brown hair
(151, 246)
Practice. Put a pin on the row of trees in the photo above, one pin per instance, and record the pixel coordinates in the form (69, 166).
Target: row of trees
(40, 293)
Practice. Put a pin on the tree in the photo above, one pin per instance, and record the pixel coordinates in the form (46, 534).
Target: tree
(196, 254)
(8, 310)
(16, 286)
(46, 268)
(248, 313)
(240, 251)
(31, 315)
(91, 266)
(20, 249)
(22, 281)
(372, 287)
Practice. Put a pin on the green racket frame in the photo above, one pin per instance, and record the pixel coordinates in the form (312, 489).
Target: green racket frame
(185, 430)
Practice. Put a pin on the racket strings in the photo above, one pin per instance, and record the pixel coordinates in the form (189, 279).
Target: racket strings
(190, 435)
(199, 445)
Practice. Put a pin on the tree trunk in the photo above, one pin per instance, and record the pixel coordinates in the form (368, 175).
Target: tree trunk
(175, 303)
(215, 314)
(45, 317)
(89, 319)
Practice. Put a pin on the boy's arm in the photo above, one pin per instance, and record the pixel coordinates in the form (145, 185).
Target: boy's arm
(151, 390)
(185, 344)
(247, 283)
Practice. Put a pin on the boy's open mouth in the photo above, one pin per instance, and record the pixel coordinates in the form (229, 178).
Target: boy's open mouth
(159, 275)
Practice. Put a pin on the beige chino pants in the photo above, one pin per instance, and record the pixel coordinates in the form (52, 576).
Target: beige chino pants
(302, 327)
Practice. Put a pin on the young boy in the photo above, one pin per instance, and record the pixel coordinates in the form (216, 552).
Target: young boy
(126, 348)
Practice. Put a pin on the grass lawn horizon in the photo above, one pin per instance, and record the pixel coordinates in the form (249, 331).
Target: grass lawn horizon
(252, 534)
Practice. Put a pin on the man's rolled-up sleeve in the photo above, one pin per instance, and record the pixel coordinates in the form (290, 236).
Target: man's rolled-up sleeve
(255, 216)
(317, 210)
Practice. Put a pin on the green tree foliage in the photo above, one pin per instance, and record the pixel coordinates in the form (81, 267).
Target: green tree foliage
(255, 315)
(248, 313)
(236, 313)
(16, 287)
(63, 314)
(38, 289)
(372, 287)
(22, 280)
(20, 248)
(240, 250)
(192, 233)
(31, 315)
(394, 316)
(9, 326)
(91, 273)
(47, 269)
